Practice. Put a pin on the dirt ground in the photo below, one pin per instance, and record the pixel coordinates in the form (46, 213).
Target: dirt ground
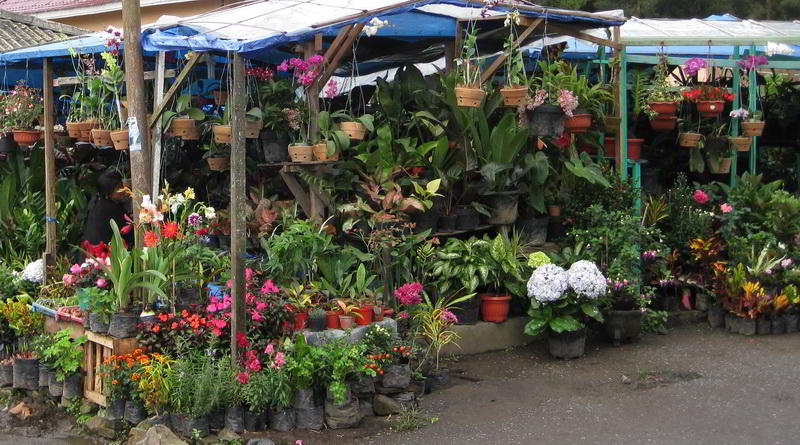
(693, 386)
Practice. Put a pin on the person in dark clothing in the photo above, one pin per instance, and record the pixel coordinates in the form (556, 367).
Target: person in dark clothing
(106, 205)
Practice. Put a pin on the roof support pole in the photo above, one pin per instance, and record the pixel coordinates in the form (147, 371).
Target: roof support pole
(49, 167)
(158, 97)
(489, 73)
(333, 62)
(737, 99)
(137, 108)
(752, 105)
(238, 179)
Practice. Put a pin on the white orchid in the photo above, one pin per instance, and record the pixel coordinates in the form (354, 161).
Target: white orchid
(210, 213)
(374, 25)
(774, 48)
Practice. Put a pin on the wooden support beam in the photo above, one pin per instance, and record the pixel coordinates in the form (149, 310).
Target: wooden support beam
(318, 42)
(489, 73)
(73, 80)
(238, 198)
(158, 98)
(333, 62)
(174, 88)
(49, 167)
(579, 34)
(337, 42)
(297, 190)
(449, 55)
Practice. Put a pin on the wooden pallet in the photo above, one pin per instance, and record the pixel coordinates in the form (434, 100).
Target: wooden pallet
(98, 348)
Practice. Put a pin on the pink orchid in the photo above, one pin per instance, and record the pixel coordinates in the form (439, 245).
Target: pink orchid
(726, 208)
(269, 350)
(75, 269)
(260, 306)
(700, 196)
(68, 279)
(101, 283)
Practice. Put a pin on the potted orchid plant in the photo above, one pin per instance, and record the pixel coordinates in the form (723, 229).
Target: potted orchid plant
(468, 91)
(515, 90)
(304, 72)
(22, 108)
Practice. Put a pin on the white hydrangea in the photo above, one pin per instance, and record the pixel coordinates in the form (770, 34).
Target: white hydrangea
(34, 272)
(586, 279)
(548, 283)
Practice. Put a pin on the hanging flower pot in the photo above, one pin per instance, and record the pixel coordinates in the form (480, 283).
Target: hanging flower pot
(101, 137)
(85, 128)
(190, 134)
(219, 164)
(554, 211)
(494, 308)
(634, 148)
(355, 130)
(740, 143)
(663, 123)
(182, 127)
(220, 97)
(73, 129)
(546, 120)
(320, 152)
(664, 108)
(578, 123)
(710, 108)
(27, 137)
(514, 96)
(469, 96)
(222, 134)
(252, 129)
(722, 167)
(752, 128)
(119, 139)
(689, 139)
(301, 153)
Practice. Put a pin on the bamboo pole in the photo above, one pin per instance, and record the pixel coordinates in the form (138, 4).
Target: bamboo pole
(49, 167)
(238, 179)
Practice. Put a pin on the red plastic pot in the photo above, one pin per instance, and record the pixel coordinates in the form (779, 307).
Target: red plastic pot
(578, 123)
(366, 315)
(300, 320)
(634, 148)
(710, 108)
(664, 108)
(663, 123)
(333, 319)
(494, 308)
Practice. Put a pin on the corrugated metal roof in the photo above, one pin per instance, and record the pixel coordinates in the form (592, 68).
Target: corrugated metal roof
(23, 31)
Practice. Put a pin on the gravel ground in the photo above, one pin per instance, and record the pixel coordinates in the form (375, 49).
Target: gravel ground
(693, 386)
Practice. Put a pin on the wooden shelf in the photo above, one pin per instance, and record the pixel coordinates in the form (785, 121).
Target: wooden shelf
(464, 231)
(298, 164)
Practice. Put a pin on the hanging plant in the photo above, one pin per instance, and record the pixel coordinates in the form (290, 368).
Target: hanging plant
(662, 98)
(515, 91)
(468, 90)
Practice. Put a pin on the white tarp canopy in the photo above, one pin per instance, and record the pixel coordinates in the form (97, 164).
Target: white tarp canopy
(700, 32)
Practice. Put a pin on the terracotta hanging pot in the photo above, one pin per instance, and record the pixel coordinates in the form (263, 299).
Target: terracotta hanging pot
(723, 167)
(222, 134)
(740, 143)
(469, 96)
(710, 108)
(664, 108)
(252, 129)
(182, 127)
(320, 152)
(554, 210)
(663, 123)
(689, 139)
(578, 123)
(26, 137)
(219, 164)
(119, 139)
(102, 137)
(355, 130)
(752, 128)
(73, 129)
(301, 153)
(514, 96)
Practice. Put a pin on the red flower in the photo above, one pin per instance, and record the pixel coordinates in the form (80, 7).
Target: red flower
(174, 325)
(563, 140)
(201, 232)
(99, 251)
(184, 313)
(243, 377)
(241, 340)
(171, 230)
(163, 317)
(156, 328)
(151, 238)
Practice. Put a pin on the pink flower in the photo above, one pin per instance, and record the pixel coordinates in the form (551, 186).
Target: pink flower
(241, 340)
(568, 101)
(448, 317)
(726, 208)
(408, 294)
(284, 66)
(403, 315)
(68, 279)
(248, 274)
(700, 196)
(254, 365)
(219, 324)
(260, 306)
(256, 316)
(269, 288)
(332, 89)
(101, 283)
(269, 350)
(298, 442)
(243, 377)
(315, 59)
(75, 269)
(279, 361)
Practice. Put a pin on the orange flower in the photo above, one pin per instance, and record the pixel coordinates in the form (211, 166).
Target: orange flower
(130, 363)
(115, 382)
(144, 360)
(171, 230)
(135, 376)
(151, 238)
(156, 328)
(138, 351)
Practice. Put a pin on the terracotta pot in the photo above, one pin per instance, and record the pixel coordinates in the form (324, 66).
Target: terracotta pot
(182, 123)
(27, 137)
(366, 315)
(73, 129)
(554, 210)
(320, 152)
(85, 128)
(300, 320)
(723, 167)
(301, 153)
(578, 123)
(222, 134)
(355, 130)
(184, 128)
(467, 96)
(220, 97)
(689, 139)
(346, 321)
(514, 96)
(664, 108)
(663, 123)
(710, 108)
(219, 164)
(252, 129)
(190, 134)
(119, 139)
(102, 137)
(634, 148)
(751, 129)
(740, 143)
(333, 319)
(494, 308)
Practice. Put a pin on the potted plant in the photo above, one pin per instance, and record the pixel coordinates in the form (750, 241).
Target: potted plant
(468, 91)
(503, 281)
(348, 314)
(459, 268)
(560, 300)
(334, 141)
(360, 291)
(217, 156)
(22, 108)
(709, 100)
(753, 125)
(356, 128)
(435, 320)
(221, 127)
(317, 320)
(299, 148)
(623, 318)
(111, 78)
(65, 357)
(515, 91)
(183, 121)
(553, 101)
(299, 296)
(716, 148)
(662, 100)
(25, 324)
(688, 138)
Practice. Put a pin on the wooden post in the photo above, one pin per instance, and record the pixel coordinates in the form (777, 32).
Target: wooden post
(158, 97)
(49, 166)
(137, 107)
(238, 179)
(449, 55)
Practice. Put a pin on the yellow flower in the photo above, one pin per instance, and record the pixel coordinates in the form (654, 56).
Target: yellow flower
(189, 193)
